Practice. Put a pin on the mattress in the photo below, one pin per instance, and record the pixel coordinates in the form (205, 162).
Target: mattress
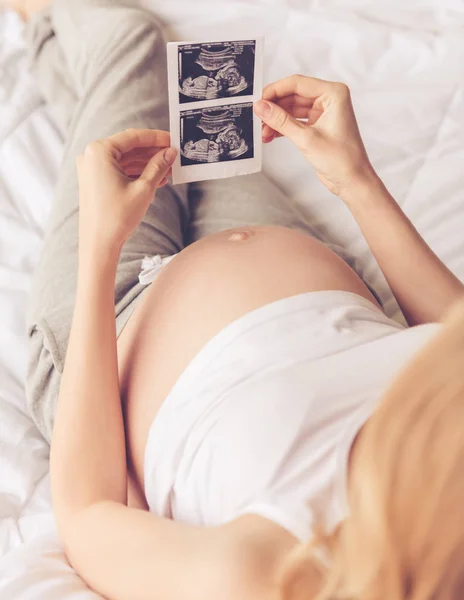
(403, 61)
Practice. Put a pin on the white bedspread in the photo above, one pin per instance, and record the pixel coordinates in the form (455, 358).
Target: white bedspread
(404, 62)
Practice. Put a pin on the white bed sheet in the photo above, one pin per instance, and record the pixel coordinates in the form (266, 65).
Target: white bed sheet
(403, 61)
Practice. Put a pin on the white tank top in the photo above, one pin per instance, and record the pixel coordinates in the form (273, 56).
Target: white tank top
(263, 418)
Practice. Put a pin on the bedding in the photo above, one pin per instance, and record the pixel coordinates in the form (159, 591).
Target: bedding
(403, 61)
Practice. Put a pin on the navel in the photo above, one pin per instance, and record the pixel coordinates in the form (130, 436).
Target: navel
(239, 236)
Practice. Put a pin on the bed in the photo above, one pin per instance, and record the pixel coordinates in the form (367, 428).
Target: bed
(403, 61)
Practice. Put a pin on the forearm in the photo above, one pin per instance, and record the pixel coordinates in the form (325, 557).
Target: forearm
(423, 286)
(88, 459)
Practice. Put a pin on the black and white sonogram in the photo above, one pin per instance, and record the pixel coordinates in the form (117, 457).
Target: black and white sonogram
(216, 70)
(220, 134)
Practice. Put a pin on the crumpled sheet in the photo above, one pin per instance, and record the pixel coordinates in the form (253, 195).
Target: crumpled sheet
(403, 61)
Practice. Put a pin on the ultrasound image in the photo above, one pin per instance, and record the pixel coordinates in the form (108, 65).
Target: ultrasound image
(218, 134)
(216, 70)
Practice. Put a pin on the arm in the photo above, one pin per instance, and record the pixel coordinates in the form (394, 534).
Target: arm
(423, 286)
(124, 553)
(86, 466)
(318, 117)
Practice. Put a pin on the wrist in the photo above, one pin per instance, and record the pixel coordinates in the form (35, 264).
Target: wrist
(99, 255)
(362, 189)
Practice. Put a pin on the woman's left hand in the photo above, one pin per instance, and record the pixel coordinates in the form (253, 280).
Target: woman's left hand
(118, 177)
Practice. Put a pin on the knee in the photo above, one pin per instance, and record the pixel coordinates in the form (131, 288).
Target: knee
(113, 19)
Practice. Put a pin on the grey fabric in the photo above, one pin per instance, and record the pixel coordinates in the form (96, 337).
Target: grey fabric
(101, 65)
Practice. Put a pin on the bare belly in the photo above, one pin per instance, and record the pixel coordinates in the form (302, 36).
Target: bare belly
(207, 286)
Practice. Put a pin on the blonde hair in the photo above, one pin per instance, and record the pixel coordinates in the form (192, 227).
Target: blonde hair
(404, 537)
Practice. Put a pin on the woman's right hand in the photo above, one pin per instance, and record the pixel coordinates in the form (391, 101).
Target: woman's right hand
(318, 117)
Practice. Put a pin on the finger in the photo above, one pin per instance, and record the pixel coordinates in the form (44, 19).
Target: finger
(300, 108)
(273, 137)
(295, 100)
(308, 116)
(136, 161)
(298, 112)
(134, 169)
(140, 153)
(139, 158)
(267, 131)
(131, 139)
(163, 182)
(159, 166)
(314, 116)
(281, 121)
(137, 168)
(308, 87)
(135, 174)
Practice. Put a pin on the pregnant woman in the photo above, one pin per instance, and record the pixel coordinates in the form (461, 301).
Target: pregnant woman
(244, 422)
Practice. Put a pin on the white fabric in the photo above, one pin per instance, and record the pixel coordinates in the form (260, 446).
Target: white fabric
(404, 62)
(263, 418)
(151, 266)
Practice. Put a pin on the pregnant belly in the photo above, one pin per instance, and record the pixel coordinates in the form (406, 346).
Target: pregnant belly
(207, 286)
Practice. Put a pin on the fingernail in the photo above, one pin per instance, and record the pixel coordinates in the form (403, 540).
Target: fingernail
(262, 109)
(170, 156)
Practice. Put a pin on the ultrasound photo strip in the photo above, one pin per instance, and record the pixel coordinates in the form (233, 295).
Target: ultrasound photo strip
(217, 134)
(216, 70)
(212, 88)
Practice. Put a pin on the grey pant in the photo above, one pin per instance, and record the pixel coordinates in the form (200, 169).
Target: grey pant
(101, 65)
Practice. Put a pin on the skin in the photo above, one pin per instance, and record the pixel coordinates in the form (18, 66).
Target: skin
(127, 553)
(239, 275)
(318, 117)
(25, 8)
(121, 550)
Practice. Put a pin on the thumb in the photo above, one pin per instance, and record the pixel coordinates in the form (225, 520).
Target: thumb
(278, 119)
(158, 167)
